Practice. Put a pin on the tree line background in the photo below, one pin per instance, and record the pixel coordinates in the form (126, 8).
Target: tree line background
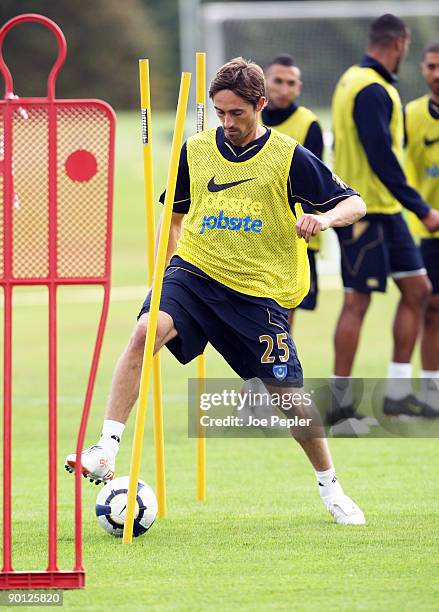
(105, 38)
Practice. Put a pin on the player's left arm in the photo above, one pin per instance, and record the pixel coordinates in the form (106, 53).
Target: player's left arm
(344, 213)
(313, 184)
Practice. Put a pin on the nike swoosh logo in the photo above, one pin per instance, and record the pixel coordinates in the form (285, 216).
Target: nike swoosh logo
(212, 186)
(429, 142)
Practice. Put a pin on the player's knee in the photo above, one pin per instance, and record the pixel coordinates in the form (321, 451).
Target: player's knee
(417, 295)
(165, 331)
(427, 289)
(137, 341)
(432, 311)
(356, 303)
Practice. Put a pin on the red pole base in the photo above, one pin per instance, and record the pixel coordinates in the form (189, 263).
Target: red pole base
(60, 579)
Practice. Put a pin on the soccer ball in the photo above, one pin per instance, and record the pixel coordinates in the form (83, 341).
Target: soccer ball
(111, 506)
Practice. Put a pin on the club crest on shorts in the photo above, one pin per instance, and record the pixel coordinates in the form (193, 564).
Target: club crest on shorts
(280, 371)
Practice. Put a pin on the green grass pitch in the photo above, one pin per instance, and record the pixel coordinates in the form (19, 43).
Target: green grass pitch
(263, 540)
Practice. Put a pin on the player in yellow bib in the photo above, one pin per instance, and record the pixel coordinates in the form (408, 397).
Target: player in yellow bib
(368, 136)
(282, 113)
(237, 265)
(422, 164)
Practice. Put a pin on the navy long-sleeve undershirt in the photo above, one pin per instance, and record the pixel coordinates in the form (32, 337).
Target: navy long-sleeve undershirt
(372, 113)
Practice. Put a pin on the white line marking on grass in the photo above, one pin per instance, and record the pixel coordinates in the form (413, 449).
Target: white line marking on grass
(137, 293)
(84, 295)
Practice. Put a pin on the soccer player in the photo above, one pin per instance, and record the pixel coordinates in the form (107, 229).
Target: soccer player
(238, 265)
(422, 163)
(284, 85)
(368, 132)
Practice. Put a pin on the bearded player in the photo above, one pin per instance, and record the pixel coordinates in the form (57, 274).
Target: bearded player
(422, 164)
(237, 265)
(368, 151)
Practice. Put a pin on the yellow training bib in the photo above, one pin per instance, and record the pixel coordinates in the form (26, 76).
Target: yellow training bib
(297, 125)
(422, 161)
(350, 160)
(240, 228)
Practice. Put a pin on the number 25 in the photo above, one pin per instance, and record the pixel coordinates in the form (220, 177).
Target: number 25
(267, 357)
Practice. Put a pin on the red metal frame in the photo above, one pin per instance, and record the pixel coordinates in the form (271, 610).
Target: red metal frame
(53, 110)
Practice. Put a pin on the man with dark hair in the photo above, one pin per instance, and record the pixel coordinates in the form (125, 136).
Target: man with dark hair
(247, 79)
(283, 59)
(368, 131)
(238, 265)
(422, 164)
(384, 31)
(283, 80)
(284, 85)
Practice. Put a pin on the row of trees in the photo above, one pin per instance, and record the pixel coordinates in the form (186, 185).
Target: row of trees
(105, 38)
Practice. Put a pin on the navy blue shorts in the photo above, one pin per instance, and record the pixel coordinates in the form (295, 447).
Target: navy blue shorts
(309, 302)
(252, 334)
(374, 248)
(430, 255)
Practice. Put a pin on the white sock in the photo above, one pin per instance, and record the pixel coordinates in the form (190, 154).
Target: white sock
(329, 486)
(255, 385)
(341, 389)
(111, 435)
(430, 387)
(432, 376)
(399, 380)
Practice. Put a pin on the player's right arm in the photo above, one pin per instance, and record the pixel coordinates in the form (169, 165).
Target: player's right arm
(372, 113)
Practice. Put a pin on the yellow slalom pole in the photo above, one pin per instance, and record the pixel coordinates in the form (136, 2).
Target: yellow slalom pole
(148, 175)
(145, 378)
(201, 439)
(201, 91)
(201, 361)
